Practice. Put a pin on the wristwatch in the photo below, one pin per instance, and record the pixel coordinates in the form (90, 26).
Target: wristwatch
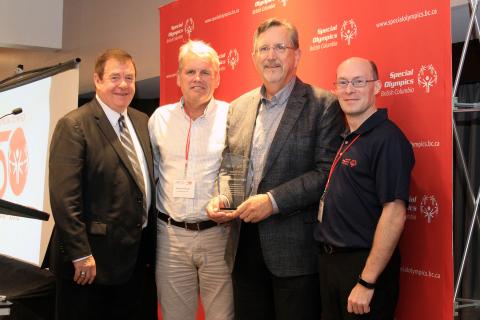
(366, 284)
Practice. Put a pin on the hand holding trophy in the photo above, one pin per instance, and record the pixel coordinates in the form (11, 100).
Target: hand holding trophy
(230, 188)
(231, 181)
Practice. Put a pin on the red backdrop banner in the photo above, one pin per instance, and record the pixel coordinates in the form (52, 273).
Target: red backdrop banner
(410, 42)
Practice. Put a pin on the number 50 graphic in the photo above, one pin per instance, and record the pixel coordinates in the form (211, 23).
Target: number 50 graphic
(15, 168)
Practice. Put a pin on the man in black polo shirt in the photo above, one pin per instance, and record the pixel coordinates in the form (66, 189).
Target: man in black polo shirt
(363, 209)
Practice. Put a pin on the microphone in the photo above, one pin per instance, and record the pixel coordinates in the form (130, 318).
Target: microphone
(14, 112)
(17, 111)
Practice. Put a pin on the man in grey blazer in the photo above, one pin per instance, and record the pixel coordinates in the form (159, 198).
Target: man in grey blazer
(290, 131)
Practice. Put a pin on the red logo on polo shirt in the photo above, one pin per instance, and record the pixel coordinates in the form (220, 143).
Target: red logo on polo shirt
(349, 162)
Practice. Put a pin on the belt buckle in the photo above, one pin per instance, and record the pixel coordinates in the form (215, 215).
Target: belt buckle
(169, 221)
(189, 226)
(327, 248)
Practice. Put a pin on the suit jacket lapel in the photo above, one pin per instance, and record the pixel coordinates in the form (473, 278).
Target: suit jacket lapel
(293, 109)
(142, 133)
(106, 127)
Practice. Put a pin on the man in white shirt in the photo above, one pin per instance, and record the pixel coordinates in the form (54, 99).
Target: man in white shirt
(188, 139)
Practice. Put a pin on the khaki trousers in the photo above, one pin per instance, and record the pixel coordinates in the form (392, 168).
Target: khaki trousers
(190, 263)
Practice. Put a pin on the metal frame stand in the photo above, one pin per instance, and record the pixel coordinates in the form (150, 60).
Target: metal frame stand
(459, 303)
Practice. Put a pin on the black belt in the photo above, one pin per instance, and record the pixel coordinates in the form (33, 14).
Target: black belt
(325, 248)
(193, 226)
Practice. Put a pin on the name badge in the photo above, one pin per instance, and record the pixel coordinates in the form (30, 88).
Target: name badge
(184, 189)
(320, 209)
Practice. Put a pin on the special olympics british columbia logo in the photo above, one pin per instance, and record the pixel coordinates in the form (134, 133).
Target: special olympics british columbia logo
(233, 58)
(189, 26)
(429, 207)
(427, 77)
(349, 30)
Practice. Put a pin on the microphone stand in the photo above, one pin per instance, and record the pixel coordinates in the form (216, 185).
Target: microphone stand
(13, 112)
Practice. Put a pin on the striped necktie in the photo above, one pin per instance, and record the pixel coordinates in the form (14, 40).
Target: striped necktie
(127, 143)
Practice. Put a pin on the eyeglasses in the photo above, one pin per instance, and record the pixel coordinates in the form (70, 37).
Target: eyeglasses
(279, 48)
(356, 83)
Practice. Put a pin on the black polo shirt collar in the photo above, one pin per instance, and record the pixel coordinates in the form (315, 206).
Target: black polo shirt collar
(373, 121)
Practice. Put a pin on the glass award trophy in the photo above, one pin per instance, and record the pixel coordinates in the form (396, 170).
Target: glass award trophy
(231, 181)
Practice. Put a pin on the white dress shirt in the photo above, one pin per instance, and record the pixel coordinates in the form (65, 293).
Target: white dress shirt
(169, 126)
(113, 117)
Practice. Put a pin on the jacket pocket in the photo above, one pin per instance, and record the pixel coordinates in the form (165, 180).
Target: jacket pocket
(97, 228)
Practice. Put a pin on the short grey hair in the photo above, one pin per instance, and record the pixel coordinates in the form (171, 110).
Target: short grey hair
(274, 22)
(201, 49)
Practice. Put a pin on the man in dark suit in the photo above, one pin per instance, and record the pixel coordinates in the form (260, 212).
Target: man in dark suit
(290, 131)
(101, 187)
